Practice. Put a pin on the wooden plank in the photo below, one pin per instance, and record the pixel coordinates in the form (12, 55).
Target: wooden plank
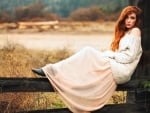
(25, 85)
(43, 85)
(114, 108)
(38, 23)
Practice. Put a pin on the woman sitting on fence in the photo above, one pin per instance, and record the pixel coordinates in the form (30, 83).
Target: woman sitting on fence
(88, 79)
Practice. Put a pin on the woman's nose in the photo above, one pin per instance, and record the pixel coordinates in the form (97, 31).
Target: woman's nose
(128, 20)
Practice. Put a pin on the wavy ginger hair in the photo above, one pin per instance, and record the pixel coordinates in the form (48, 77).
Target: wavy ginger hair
(120, 28)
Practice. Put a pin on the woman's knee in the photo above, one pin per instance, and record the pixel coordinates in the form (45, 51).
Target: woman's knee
(88, 48)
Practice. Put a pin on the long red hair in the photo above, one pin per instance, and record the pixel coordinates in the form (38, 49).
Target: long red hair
(120, 28)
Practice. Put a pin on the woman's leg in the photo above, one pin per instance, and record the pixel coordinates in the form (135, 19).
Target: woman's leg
(87, 54)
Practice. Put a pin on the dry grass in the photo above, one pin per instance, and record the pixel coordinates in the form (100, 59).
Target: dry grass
(17, 61)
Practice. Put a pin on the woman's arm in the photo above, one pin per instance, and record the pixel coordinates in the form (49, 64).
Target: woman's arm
(130, 52)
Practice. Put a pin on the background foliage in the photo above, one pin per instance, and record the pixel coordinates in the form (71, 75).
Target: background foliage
(16, 9)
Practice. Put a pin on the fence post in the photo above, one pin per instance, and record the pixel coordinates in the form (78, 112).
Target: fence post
(143, 69)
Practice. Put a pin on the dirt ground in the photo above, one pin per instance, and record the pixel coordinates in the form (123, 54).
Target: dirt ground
(55, 35)
(47, 41)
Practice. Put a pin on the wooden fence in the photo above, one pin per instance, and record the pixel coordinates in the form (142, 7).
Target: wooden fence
(43, 85)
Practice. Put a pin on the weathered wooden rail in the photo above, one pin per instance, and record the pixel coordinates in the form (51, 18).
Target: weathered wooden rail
(43, 85)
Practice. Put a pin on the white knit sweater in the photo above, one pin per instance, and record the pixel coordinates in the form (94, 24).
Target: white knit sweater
(125, 60)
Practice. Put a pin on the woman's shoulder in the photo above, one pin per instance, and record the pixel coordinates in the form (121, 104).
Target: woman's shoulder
(136, 31)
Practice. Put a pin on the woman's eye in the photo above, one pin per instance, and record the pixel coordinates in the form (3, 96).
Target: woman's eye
(132, 17)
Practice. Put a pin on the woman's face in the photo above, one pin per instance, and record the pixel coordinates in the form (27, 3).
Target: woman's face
(130, 21)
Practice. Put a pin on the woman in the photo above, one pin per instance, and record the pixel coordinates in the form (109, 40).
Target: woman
(88, 79)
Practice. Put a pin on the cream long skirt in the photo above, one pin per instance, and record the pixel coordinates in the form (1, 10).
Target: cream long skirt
(84, 80)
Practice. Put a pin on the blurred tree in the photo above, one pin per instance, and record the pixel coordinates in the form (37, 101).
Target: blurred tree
(63, 8)
(29, 12)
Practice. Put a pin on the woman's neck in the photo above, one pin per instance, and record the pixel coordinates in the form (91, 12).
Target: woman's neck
(128, 31)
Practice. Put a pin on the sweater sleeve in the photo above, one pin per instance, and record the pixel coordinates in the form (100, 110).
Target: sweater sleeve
(129, 52)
